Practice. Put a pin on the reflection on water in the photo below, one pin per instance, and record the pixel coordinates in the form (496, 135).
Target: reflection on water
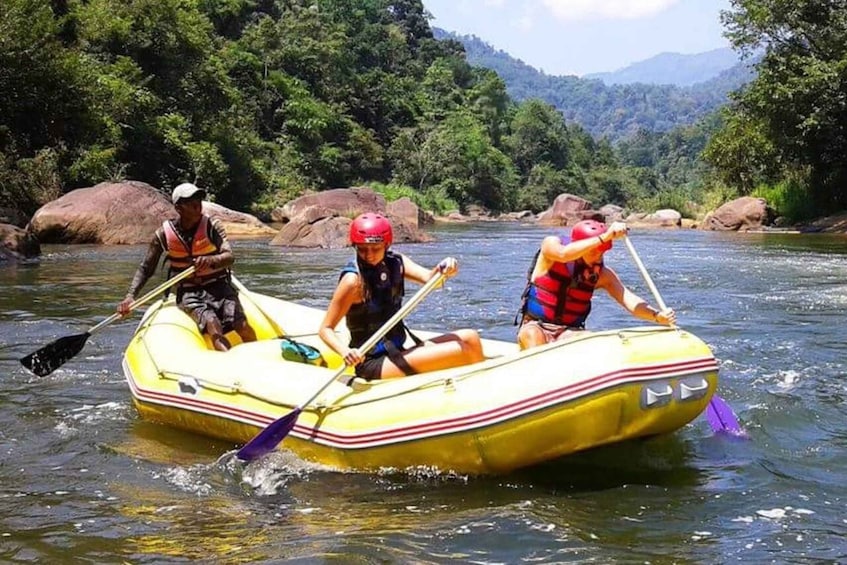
(81, 475)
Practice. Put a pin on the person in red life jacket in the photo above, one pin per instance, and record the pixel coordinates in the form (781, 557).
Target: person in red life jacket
(196, 239)
(370, 290)
(562, 280)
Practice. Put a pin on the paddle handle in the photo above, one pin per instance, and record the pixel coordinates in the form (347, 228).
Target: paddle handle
(146, 298)
(645, 274)
(384, 329)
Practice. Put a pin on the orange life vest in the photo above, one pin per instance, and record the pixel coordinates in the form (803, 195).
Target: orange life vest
(181, 254)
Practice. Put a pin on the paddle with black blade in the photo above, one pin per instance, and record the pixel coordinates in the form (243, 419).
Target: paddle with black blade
(267, 440)
(55, 354)
(720, 416)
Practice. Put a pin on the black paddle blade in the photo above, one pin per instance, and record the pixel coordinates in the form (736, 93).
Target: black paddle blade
(267, 440)
(55, 354)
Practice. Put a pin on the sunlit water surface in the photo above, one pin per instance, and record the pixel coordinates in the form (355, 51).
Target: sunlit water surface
(83, 478)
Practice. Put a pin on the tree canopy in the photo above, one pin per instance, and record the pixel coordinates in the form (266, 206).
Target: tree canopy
(261, 100)
(790, 125)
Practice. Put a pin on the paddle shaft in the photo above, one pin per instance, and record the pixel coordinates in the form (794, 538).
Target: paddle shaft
(270, 436)
(645, 274)
(146, 298)
(246, 292)
(384, 329)
(724, 418)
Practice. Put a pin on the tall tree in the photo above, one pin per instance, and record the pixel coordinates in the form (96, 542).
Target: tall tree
(796, 106)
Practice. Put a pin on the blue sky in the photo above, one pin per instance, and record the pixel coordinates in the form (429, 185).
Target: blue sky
(565, 37)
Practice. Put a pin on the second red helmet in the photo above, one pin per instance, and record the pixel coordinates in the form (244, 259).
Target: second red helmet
(590, 228)
(371, 228)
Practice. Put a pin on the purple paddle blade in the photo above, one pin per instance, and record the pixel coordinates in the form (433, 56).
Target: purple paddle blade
(722, 419)
(267, 440)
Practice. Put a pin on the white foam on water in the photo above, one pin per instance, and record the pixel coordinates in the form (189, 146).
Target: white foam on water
(95, 413)
(772, 514)
(788, 379)
(270, 474)
(189, 479)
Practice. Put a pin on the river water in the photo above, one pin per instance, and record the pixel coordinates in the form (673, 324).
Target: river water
(82, 478)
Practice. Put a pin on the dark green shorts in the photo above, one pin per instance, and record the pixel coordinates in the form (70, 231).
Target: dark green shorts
(217, 299)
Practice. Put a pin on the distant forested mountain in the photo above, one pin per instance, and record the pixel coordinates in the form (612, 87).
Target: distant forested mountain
(614, 112)
(672, 68)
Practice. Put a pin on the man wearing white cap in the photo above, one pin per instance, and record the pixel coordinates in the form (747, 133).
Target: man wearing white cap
(196, 239)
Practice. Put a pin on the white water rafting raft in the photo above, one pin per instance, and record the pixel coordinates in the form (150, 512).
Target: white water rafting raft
(515, 409)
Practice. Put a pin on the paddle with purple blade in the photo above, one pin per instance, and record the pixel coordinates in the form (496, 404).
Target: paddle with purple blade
(722, 419)
(719, 415)
(267, 439)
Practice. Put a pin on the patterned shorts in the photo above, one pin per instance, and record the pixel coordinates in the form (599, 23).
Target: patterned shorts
(552, 332)
(217, 299)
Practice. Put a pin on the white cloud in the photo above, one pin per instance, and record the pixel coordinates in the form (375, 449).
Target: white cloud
(525, 23)
(573, 10)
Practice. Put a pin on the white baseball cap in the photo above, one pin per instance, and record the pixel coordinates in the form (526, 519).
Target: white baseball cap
(186, 190)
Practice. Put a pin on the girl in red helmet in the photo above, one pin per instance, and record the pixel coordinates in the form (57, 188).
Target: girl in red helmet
(562, 281)
(370, 290)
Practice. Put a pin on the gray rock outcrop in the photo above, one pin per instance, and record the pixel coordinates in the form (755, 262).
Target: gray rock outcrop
(16, 243)
(348, 202)
(742, 214)
(125, 213)
(567, 210)
(316, 222)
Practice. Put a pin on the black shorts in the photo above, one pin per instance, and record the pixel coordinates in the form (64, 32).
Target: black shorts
(371, 368)
(217, 299)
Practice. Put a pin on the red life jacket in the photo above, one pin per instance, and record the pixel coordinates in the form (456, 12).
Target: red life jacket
(181, 254)
(563, 294)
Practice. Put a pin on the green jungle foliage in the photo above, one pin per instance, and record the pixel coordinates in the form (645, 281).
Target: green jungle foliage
(261, 100)
(786, 133)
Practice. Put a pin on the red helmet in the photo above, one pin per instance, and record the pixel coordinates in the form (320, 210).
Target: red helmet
(590, 228)
(371, 228)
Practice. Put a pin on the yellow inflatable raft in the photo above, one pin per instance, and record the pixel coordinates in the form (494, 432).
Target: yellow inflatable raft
(513, 410)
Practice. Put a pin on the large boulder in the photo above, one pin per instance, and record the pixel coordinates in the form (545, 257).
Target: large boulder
(108, 213)
(408, 211)
(612, 213)
(666, 218)
(317, 226)
(323, 219)
(16, 243)
(237, 223)
(742, 214)
(125, 212)
(348, 202)
(314, 227)
(567, 210)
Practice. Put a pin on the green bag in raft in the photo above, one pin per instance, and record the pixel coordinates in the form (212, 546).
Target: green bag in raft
(300, 352)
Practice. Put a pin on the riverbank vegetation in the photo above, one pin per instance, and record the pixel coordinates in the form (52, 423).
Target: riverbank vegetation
(261, 100)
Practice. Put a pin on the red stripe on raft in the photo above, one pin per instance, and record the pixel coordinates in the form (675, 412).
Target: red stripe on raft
(439, 427)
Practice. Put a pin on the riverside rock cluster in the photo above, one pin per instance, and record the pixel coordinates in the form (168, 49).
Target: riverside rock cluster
(128, 212)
